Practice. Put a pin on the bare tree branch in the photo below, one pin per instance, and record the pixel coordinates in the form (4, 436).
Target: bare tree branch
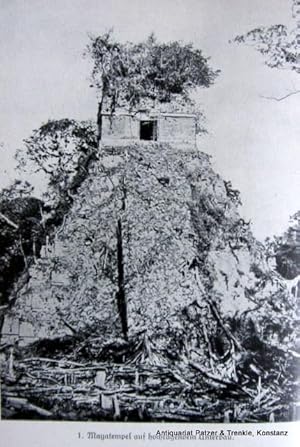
(282, 97)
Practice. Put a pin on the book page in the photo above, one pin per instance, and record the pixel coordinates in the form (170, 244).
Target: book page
(149, 215)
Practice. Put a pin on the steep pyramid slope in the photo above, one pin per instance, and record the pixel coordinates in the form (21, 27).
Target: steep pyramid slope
(154, 242)
(152, 286)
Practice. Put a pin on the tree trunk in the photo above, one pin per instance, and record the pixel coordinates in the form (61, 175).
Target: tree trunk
(121, 296)
(99, 121)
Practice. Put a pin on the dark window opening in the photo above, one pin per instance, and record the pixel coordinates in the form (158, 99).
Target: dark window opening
(148, 130)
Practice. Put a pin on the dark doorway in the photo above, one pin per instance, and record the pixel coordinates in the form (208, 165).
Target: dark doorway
(148, 130)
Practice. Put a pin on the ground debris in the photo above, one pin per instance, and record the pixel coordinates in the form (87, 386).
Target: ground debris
(145, 386)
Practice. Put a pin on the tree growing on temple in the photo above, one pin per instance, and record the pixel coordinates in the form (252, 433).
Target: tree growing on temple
(128, 74)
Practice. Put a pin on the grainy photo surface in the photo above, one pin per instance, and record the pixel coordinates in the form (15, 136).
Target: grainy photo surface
(149, 210)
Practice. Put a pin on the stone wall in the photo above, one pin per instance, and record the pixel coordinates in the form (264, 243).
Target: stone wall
(172, 128)
(175, 129)
(123, 127)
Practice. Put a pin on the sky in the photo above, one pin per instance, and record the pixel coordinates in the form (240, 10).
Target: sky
(253, 141)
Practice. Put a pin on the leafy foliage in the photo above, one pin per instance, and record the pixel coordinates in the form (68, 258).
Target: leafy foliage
(62, 150)
(129, 75)
(58, 149)
(279, 45)
(131, 72)
(18, 189)
(20, 235)
(286, 249)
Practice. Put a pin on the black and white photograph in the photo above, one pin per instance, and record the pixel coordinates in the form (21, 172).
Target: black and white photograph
(150, 211)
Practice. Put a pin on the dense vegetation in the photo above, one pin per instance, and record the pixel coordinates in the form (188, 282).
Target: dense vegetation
(138, 75)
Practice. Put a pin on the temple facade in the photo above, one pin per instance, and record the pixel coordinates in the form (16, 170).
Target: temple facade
(124, 128)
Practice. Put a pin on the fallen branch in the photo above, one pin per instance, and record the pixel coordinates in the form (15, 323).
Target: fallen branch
(215, 313)
(181, 379)
(229, 335)
(72, 329)
(211, 376)
(218, 380)
(8, 221)
(165, 415)
(23, 404)
(45, 359)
